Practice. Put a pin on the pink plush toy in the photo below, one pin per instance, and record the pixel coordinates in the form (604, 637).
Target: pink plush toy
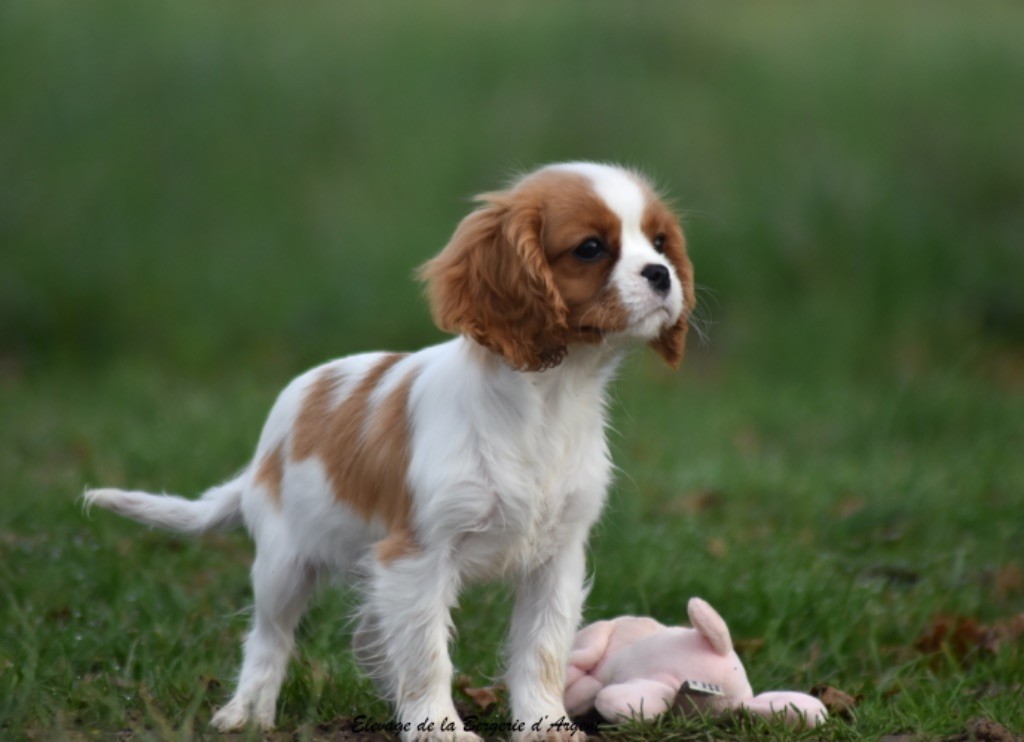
(636, 666)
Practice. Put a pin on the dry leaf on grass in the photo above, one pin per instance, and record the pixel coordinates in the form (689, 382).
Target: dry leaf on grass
(964, 635)
(694, 503)
(1009, 581)
(483, 697)
(748, 646)
(836, 701)
(813, 656)
(993, 689)
(849, 506)
(747, 441)
(896, 575)
(717, 548)
(983, 730)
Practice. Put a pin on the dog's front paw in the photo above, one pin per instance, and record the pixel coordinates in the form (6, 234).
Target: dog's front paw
(236, 716)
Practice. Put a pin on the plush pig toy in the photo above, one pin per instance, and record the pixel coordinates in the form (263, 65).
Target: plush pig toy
(636, 666)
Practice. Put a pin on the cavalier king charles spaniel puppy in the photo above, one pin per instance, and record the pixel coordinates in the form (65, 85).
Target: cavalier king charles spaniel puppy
(482, 457)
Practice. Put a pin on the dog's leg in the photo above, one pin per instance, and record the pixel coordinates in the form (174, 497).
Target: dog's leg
(409, 604)
(281, 588)
(547, 610)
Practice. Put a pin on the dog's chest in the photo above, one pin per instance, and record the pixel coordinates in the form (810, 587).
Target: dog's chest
(541, 479)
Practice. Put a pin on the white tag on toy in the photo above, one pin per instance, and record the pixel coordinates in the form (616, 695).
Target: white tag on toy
(699, 686)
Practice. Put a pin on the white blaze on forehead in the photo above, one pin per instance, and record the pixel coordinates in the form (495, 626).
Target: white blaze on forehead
(626, 195)
(619, 189)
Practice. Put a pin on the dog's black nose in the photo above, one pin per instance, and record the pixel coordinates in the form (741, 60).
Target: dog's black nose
(658, 276)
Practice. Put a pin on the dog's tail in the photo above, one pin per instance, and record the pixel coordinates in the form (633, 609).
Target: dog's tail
(219, 507)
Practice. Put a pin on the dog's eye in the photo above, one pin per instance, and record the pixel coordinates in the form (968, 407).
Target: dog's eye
(659, 242)
(590, 250)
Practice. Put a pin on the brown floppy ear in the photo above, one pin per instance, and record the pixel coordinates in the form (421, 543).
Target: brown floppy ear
(671, 344)
(492, 283)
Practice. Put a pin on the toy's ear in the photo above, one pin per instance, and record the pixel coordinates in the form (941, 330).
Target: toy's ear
(710, 625)
(492, 283)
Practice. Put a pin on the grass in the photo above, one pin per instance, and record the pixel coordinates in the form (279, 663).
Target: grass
(198, 203)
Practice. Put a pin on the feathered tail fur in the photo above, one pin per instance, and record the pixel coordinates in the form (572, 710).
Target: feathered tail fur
(219, 507)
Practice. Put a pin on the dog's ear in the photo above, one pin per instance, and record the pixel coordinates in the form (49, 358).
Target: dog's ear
(492, 282)
(671, 343)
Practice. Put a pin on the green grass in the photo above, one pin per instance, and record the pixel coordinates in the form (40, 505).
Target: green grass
(199, 201)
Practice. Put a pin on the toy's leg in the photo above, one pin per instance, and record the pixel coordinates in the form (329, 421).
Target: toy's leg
(580, 694)
(590, 645)
(795, 709)
(587, 650)
(646, 698)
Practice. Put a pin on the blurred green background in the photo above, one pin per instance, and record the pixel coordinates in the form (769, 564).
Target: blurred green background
(200, 200)
(199, 185)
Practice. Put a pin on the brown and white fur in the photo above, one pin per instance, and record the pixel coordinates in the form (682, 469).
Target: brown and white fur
(478, 458)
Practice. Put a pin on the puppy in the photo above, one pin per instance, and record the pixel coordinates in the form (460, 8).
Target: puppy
(478, 458)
